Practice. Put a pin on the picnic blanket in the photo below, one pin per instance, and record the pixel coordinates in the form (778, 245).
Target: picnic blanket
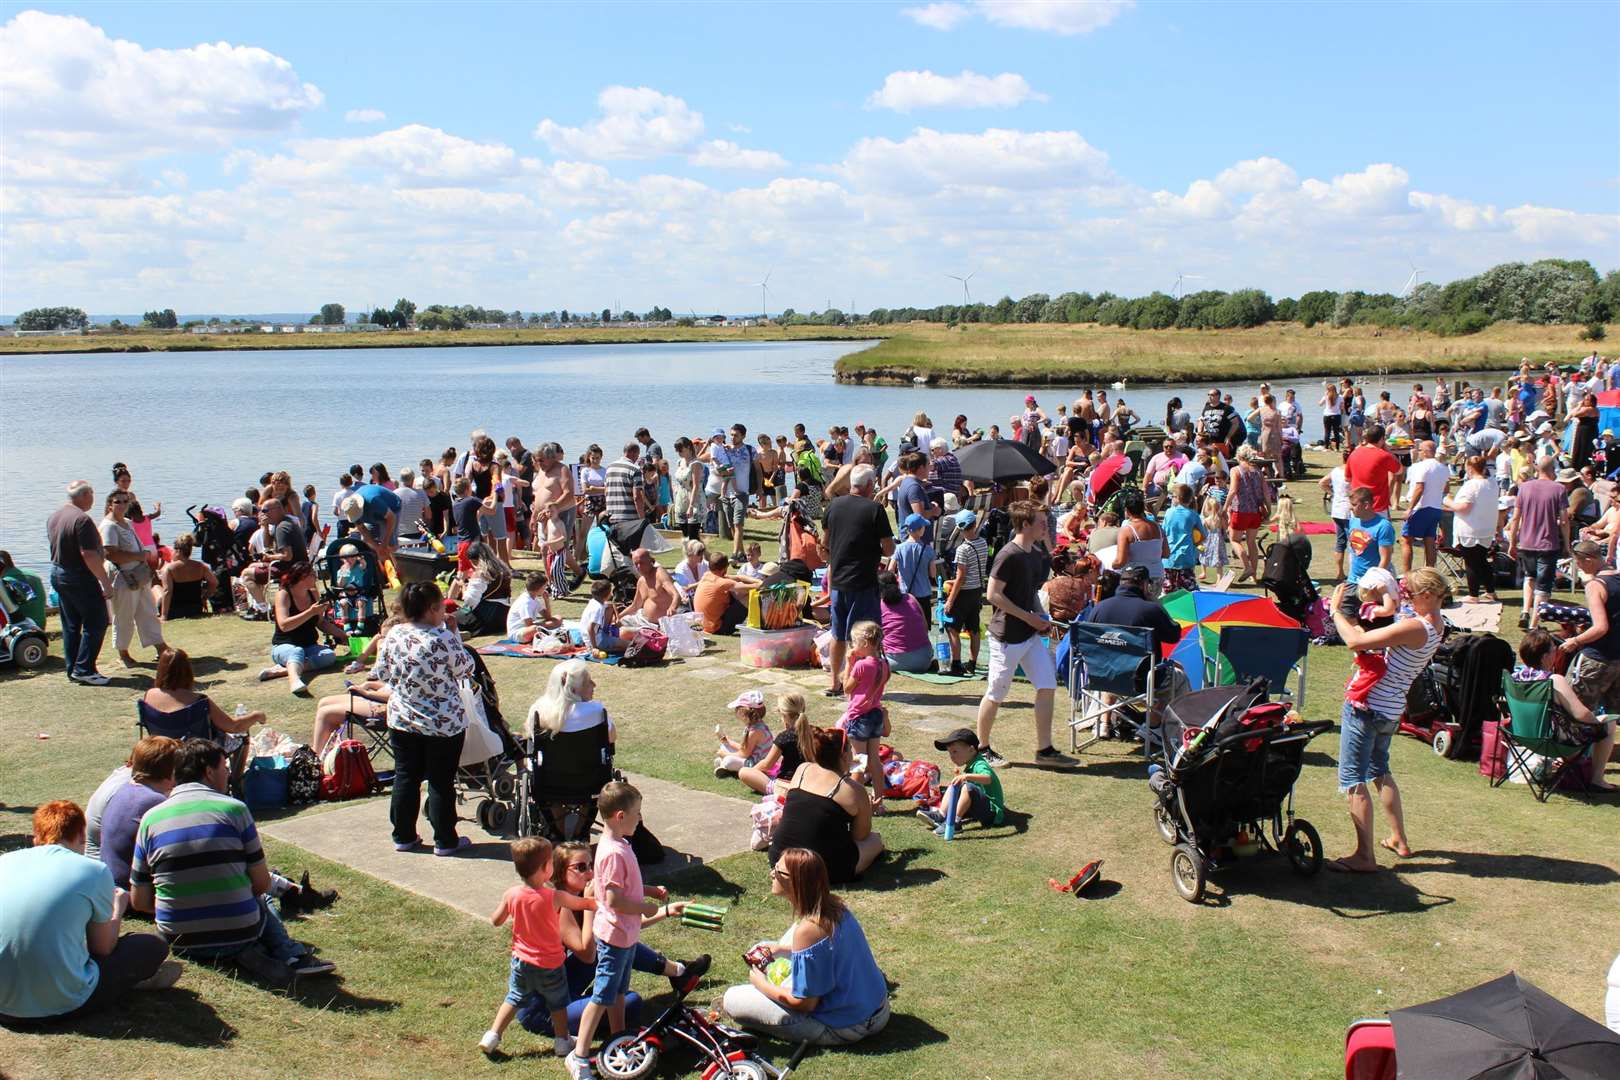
(575, 651)
(938, 679)
(1481, 618)
(1310, 528)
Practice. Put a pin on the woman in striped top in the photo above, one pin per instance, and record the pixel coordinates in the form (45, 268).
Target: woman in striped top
(1365, 731)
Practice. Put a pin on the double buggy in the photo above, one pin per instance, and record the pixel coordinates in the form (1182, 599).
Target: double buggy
(1225, 772)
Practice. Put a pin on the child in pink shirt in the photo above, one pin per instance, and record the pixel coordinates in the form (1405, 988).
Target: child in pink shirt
(865, 720)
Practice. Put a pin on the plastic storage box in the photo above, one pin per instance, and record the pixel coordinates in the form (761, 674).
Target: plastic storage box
(792, 647)
(421, 564)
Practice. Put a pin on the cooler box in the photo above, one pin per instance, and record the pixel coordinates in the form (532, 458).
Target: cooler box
(420, 564)
(264, 784)
(792, 647)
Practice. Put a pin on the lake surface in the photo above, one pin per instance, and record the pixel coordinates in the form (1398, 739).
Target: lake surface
(201, 427)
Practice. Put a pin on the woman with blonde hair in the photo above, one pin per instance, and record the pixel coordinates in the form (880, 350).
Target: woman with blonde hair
(568, 703)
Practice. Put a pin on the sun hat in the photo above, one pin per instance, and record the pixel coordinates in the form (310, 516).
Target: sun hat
(748, 699)
(966, 519)
(1568, 476)
(352, 507)
(1545, 428)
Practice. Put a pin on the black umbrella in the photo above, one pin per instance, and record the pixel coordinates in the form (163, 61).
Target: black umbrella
(1001, 462)
(1505, 1029)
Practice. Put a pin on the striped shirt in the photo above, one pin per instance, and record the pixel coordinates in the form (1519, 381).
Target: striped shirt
(1387, 698)
(971, 556)
(619, 488)
(195, 849)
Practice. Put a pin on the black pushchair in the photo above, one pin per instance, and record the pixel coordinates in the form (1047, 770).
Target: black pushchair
(1287, 576)
(1451, 699)
(1228, 766)
(220, 550)
(352, 582)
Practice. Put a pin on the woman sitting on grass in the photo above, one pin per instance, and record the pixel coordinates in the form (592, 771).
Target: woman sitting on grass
(826, 812)
(833, 992)
(184, 584)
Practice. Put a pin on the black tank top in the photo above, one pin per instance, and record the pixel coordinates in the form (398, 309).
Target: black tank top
(818, 823)
(304, 635)
(1607, 647)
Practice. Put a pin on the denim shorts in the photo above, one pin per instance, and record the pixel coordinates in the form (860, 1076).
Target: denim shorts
(868, 725)
(979, 808)
(1341, 535)
(1422, 523)
(1542, 566)
(550, 983)
(312, 658)
(1364, 738)
(850, 606)
(613, 967)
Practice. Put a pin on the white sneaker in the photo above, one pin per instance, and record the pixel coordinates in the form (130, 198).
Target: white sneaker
(579, 1068)
(298, 688)
(95, 678)
(562, 1045)
(490, 1041)
(167, 974)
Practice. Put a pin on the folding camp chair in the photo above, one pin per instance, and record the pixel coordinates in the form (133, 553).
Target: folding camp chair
(1529, 736)
(192, 722)
(1270, 652)
(1111, 674)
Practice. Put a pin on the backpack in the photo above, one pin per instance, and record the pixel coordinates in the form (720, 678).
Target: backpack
(645, 650)
(351, 775)
(303, 777)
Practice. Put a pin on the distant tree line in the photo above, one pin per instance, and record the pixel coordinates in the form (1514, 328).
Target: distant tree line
(1548, 291)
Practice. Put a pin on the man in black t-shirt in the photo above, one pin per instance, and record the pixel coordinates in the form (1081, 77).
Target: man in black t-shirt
(858, 538)
(1218, 418)
(1018, 629)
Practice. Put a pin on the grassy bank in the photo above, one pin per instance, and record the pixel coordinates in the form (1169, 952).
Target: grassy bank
(181, 341)
(1039, 354)
(1257, 984)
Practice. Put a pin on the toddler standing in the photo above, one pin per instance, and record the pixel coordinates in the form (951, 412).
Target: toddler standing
(865, 721)
(1213, 511)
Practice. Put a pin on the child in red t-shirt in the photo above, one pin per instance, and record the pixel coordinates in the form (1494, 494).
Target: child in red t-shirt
(537, 948)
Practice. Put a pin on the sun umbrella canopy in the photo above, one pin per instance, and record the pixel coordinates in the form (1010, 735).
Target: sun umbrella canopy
(1203, 613)
(1001, 462)
(1506, 1029)
(1107, 476)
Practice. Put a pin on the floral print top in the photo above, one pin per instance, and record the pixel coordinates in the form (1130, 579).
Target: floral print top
(423, 667)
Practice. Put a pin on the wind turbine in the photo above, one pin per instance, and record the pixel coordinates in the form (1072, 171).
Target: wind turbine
(964, 280)
(1175, 290)
(764, 291)
(1411, 280)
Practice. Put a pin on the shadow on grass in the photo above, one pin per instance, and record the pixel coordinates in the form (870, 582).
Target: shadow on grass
(1479, 864)
(1349, 896)
(894, 870)
(214, 665)
(15, 841)
(177, 1016)
(322, 994)
(902, 1033)
(1013, 823)
(698, 879)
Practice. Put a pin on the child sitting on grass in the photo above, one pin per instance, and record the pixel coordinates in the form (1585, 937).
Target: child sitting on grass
(621, 903)
(733, 757)
(787, 750)
(865, 720)
(750, 566)
(531, 612)
(974, 785)
(537, 949)
(599, 622)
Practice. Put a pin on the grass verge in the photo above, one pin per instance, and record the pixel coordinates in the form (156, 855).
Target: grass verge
(998, 976)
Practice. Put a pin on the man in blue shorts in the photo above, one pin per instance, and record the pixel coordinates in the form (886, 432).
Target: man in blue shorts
(1426, 483)
(858, 538)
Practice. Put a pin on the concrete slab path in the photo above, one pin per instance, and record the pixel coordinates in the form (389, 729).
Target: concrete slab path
(694, 826)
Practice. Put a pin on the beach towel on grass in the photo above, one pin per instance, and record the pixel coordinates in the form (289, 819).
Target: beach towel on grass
(938, 679)
(575, 651)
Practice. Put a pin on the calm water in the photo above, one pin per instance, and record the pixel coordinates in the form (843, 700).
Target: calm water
(201, 427)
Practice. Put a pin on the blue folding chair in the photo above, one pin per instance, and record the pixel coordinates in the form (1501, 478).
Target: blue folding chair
(1111, 678)
(1273, 653)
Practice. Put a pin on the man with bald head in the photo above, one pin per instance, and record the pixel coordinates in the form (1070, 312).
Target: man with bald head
(656, 594)
(80, 581)
(1426, 481)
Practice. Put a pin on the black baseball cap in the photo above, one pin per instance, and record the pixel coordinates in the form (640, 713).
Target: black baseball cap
(960, 735)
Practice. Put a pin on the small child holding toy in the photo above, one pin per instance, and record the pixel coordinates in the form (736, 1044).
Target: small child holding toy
(531, 612)
(537, 948)
(865, 720)
(733, 756)
(974, 785)
(785, 752)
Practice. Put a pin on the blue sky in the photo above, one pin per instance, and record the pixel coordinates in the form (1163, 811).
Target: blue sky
(859, 149)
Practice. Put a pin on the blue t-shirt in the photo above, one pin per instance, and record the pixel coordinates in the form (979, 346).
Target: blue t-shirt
(841, 972)
(913, 565)
(379, 503)
(48, 895)
(910, 491)
(1366, 537)
(1179, 525)
(595, 541)
(119, 823)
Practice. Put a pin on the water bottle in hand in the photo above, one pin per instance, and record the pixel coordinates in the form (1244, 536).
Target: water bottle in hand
(240, 711)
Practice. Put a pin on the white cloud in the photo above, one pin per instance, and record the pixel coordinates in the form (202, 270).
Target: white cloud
(723, 154)
(937, 16)
(636, 122)
(904, 91)
(365, 116)
(1063, 17)
(930, 160)
(410, 154)
(66, 83)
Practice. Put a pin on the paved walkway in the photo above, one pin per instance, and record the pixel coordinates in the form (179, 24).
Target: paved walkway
(695, 827)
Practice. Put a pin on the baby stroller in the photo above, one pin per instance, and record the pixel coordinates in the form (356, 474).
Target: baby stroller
(352, 582)
(616, 568)
(1286, 575)
(220, 549)
(1451, 699)
(1228, 767)
(491, 759)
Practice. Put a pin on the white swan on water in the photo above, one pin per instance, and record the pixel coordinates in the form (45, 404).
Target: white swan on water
(1118, 384)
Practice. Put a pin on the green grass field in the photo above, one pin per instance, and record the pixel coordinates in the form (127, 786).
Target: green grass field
(998, 976)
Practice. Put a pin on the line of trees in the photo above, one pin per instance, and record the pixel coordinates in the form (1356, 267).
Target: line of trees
(1548, 291)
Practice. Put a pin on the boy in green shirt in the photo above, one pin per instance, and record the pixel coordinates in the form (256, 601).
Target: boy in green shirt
(974, 785)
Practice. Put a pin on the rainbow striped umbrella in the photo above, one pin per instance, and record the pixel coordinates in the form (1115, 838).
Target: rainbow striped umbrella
(1202, 614)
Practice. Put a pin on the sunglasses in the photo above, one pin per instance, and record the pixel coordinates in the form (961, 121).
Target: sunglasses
(579, 867)
(780, 875)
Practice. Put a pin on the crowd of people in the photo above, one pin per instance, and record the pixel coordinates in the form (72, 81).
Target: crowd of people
(910, 554)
